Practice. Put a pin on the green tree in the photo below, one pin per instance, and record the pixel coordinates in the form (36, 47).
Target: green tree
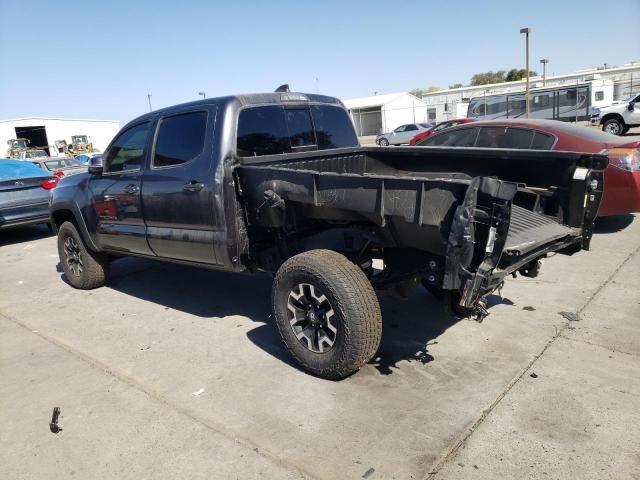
(485, 78)
(432, 89)
(518, 74)
(417, 92)
(456, 85)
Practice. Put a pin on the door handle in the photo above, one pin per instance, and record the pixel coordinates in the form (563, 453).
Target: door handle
(193, 186)
(131, 189)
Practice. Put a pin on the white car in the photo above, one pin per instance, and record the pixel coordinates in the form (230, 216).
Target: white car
(619, 117)
(402, 134)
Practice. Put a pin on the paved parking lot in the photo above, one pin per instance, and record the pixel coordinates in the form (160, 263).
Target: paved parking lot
(443, 399)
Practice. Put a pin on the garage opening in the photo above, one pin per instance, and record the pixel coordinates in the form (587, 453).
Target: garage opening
(36, 136)
(368, 121)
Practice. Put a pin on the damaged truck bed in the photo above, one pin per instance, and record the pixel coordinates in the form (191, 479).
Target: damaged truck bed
(277, 182)
(464, 218)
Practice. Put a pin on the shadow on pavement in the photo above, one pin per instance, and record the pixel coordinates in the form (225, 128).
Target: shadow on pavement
(23, 234)
(409, 326)
(613, 224)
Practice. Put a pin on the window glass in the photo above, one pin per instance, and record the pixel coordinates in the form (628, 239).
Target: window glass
(410, 128)
(127, 151)
(262, 131)
(488, 137)
(431, 114)
(300, 127)
(542, 141)
(516, 138)
(442, 126)
(502, 137)
(400, 129)
(180, 139)
(333, 127)
(461, 137)
(599, 95)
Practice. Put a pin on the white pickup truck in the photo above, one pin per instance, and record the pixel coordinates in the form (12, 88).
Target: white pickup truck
(619, 117)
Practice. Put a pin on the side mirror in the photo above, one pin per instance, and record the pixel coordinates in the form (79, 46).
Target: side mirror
(95, 166)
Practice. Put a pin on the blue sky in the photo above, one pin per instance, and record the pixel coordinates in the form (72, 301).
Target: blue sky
(100, 59)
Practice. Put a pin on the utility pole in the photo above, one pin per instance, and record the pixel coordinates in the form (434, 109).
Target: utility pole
(527, 31)
(544, 62)
(149, 100)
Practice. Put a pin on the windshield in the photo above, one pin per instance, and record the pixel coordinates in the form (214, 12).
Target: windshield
(631, 98)
(35, 153)
(61, 163)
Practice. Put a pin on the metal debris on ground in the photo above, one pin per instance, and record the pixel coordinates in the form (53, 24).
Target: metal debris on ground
(529, 308)
(533, 375)
(198, 392)
(369, 472)
(572, 317)
(53, 424)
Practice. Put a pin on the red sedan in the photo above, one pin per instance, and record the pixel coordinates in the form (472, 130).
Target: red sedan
(621, 178)
(437, 128)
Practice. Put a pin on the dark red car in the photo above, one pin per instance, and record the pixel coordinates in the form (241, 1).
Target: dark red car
(439, 127)
(621, 178)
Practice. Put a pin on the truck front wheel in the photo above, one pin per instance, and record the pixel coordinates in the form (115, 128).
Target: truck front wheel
(327, 313)
(614, 126)
(83, 268)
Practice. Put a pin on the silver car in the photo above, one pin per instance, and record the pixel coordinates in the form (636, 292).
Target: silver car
(402, 134)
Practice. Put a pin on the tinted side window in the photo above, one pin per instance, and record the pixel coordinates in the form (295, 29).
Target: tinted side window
(262, 131)
(516, 138)
(127, 151)
(410, 128)
(180, 139)
(542, 141)
(300, 127)
(333, 127)
(462, 137)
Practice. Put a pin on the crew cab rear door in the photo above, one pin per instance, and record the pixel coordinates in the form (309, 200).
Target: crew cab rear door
(177, 187)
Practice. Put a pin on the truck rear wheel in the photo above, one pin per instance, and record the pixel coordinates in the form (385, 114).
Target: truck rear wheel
(327, 313)
(83, 268)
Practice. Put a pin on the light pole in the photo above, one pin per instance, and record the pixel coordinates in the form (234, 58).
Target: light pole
(204, 94)
(544, 62)
(526, 32)
(149, 100)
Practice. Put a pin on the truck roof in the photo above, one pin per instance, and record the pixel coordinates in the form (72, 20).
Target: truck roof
(242, 100)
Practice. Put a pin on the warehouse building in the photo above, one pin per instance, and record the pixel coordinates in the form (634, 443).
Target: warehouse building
(46, 133)
(383, 113)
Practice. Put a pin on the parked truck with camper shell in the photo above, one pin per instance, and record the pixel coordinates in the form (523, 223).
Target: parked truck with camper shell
(277, 182)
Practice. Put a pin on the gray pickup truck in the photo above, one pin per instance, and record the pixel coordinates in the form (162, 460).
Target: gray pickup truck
(277, 182)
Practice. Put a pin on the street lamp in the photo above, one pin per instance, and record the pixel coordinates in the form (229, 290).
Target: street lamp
(544, 62)
(204, 95)
(526, 32)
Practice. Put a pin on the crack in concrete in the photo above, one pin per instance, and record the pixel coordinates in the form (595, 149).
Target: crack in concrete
(462, 439)
(159, 397)
(593, 344)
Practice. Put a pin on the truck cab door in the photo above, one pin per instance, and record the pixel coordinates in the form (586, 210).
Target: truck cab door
(116, 193)
(177, 188)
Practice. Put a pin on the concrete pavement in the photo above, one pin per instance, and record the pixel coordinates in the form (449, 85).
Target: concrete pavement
(123, 363)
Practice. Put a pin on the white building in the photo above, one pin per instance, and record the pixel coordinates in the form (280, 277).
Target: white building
(383, 113)
(617, 83)
(45, 132)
